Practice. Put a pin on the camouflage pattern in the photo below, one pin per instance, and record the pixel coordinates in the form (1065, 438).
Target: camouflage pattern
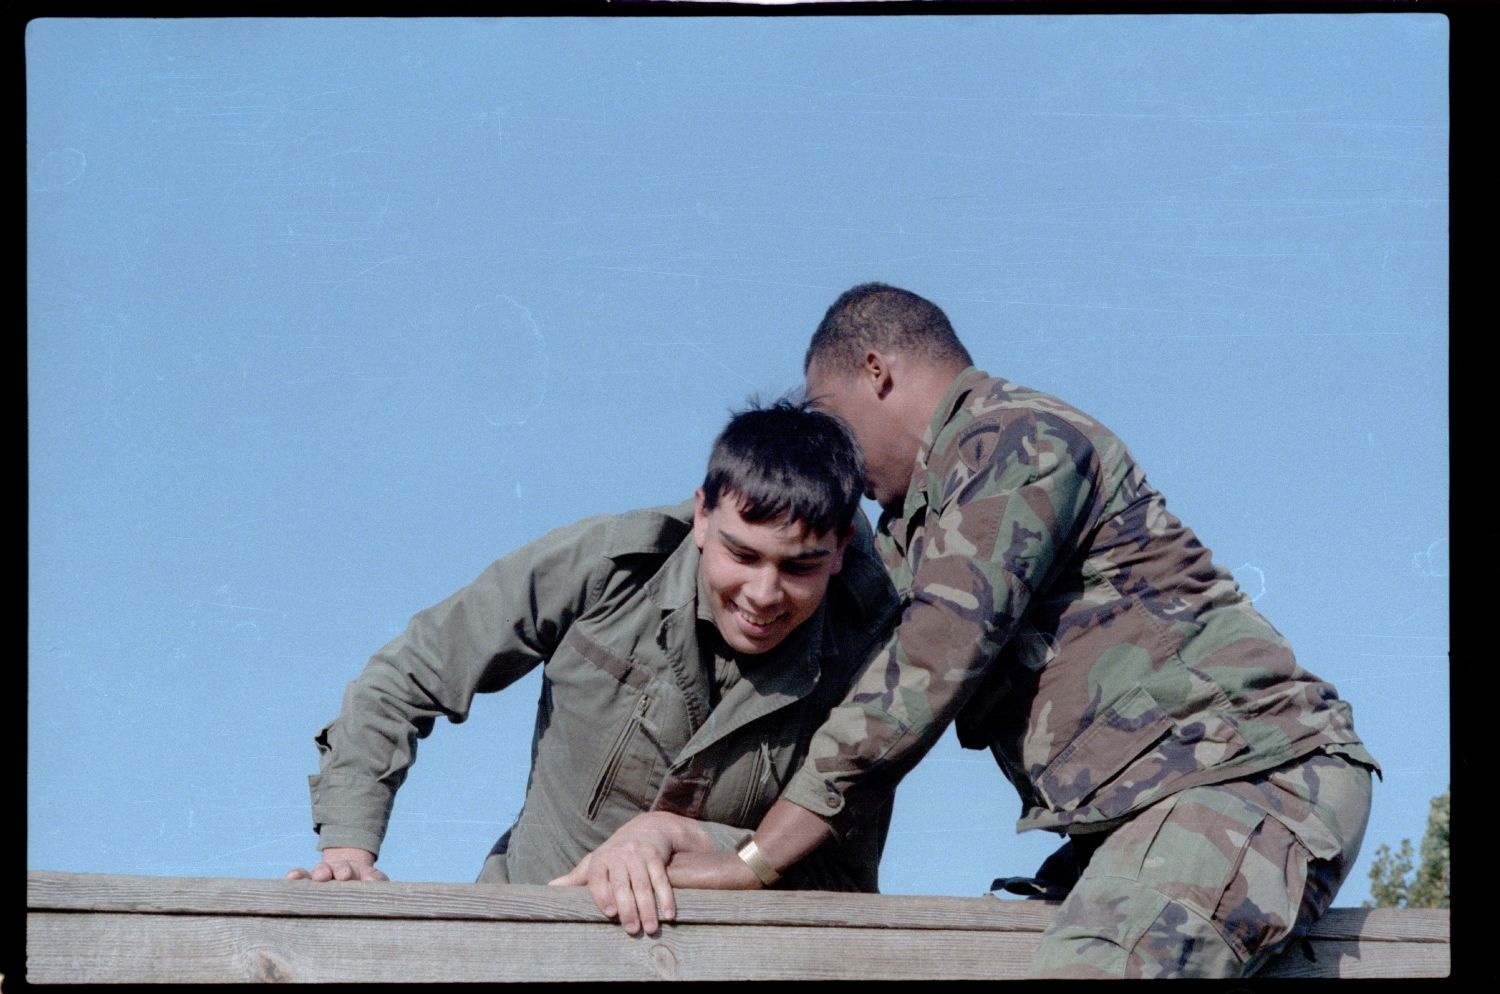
(1058, 612)
(1212, 881)
(629, 719)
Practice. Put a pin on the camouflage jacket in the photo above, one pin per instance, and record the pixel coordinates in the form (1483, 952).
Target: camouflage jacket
(1068, 622)
(610, 608)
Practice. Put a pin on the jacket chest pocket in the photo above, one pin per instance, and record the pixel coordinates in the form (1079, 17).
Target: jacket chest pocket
(730, 782)
(616, 758)
(756, 766)
(602, 738)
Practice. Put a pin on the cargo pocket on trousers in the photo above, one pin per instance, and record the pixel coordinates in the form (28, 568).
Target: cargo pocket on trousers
(1258, 911)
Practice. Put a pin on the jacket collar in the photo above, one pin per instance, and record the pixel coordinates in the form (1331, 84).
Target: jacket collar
(675, 584)
(768, 682)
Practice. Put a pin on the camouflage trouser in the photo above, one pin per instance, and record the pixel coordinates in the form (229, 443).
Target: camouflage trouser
(1213, 881)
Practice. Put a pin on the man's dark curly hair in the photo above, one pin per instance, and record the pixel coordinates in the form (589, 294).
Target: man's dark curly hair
(887, 319)
(787, 459)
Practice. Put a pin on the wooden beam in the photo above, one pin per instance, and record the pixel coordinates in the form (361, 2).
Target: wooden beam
(94, 928)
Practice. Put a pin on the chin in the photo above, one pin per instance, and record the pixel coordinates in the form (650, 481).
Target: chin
(747, 648)
(754, 647)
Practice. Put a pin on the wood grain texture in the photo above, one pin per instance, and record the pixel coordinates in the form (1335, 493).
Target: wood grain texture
(75, 948)
(1364, 959)
(512, 902)
(97, 928)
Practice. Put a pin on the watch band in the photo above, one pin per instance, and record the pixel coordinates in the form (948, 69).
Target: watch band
(756, 860)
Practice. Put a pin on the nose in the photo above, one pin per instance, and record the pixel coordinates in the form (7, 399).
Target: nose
(763, 589)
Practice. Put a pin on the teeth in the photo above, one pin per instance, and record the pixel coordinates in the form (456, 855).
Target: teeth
(756, 619)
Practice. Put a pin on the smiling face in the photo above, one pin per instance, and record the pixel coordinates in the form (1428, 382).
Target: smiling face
(763, 578)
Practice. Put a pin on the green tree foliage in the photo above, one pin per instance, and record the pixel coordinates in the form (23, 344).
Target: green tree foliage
(1395, 882)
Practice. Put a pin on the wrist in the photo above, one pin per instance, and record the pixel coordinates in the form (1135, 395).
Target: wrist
(348, 854)
(750, 854)
(683, 834)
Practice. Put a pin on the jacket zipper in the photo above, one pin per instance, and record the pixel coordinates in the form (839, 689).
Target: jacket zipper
(616, 754)
(760, 772)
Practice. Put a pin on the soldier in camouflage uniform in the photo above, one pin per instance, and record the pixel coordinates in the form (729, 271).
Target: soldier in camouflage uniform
(1214, 793)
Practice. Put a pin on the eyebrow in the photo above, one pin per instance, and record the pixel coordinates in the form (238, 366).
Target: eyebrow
(741, 545)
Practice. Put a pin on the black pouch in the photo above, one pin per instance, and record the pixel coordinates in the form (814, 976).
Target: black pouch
(1057, 874)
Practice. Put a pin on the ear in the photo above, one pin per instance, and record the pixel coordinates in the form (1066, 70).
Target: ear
(838, 552)
(877, 373)
(700, 520)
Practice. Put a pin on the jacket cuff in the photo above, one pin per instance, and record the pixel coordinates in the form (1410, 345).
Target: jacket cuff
(330, 836)
(349, 811)
(815, 793)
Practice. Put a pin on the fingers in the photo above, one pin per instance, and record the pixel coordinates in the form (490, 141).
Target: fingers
(576, 877)
(601, 892)
(633, 895)
(573, 878)
(338, 870)
(666, 901)
(633, 890)
(357, 871)
(642, 892)
(627, 880)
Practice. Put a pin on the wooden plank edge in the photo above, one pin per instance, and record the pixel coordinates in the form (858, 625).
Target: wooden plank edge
(66, 947)
(93, 893)
(57, 891)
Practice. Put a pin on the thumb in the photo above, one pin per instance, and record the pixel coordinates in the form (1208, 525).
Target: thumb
(576, 877)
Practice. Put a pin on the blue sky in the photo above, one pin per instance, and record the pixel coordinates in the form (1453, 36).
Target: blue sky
(325, 315)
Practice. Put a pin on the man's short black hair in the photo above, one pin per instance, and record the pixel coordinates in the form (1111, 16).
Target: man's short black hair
(888, 319)
(787, 459)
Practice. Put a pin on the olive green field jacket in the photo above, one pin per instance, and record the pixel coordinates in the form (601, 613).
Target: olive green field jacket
(609, 608)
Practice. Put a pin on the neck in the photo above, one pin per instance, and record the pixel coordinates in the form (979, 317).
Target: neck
(928, 385)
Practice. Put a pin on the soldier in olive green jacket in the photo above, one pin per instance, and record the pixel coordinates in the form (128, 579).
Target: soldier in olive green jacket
(688, 653)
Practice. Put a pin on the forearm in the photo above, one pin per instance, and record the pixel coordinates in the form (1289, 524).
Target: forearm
(479, 639)
(788, 832)
(847, 861)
